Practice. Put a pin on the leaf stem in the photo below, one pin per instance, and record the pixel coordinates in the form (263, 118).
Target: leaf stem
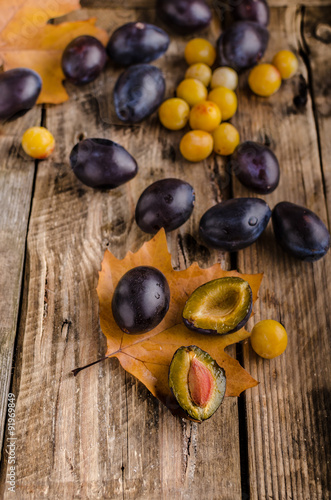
(77, 370)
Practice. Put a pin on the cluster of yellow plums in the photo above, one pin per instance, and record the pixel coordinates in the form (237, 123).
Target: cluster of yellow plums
(203, 110)
(207, 112)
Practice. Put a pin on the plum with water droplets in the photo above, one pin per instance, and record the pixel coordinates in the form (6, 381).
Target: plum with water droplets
(234, 224)
(141, 300)
(167, 203)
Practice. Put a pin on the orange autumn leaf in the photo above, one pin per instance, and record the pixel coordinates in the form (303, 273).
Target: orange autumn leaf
(26, 40)
(148, 356)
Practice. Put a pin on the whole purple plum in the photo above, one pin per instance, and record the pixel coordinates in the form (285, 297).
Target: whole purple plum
(252, 10)
(184, 16)
(256, 166)
(300, 232)
(242, 45)
(101, 163)
(138, 92)
(135, 43)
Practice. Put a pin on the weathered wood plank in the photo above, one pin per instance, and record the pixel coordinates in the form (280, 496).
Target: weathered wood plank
(102, 435)
(16, 181)
(317, 39)
(216, 4)
(288, 430)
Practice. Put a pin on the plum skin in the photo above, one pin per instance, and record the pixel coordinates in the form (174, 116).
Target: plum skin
(300, 232)
(101, 163)
(256, 166)
(167, 203)
(242, 45)
(184, 16)
(137, 42)
(19, 91)
(83, 59)
(234, 224)
(138, 92)
(141, 300)
(252, 10)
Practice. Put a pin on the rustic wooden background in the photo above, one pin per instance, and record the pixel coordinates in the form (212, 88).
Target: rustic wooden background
(101, 435)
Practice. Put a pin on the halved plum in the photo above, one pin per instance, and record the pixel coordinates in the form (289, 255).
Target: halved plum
(197, 382)
(220, 306)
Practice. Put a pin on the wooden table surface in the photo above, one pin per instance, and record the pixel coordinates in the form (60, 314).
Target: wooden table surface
(102, 435)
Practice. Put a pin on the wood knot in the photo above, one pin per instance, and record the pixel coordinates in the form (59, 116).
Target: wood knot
(81, 136)
(323, 33)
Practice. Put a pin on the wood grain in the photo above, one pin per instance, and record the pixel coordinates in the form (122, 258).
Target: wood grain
(102, 435)
(316, 44)
(287, 414)
(16, 182)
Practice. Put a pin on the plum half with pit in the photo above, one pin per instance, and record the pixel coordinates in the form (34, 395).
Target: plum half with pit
(197, 382)
(219, 306)
(141, 300)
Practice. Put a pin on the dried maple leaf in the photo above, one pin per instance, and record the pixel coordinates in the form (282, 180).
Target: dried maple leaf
(26, 40)
(148, 356)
